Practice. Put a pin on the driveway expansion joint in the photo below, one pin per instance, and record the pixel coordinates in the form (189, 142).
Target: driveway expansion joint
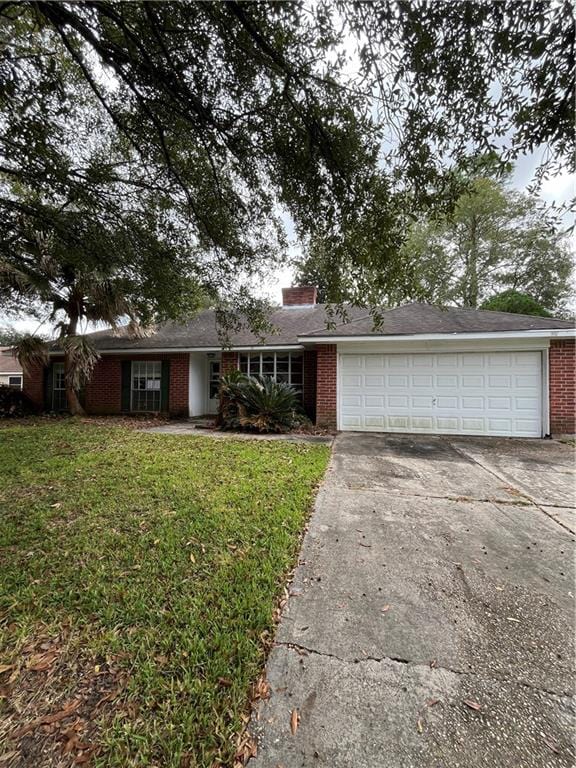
(503, 478)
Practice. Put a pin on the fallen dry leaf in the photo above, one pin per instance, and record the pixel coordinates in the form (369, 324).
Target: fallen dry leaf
(294, 721)
(552, 745)
(385, 609)
(472, 704)
(433, 664)
(432, 702)
(420, 727)
(47, 719)
(5, 667)
(192, 558)
(42, 662)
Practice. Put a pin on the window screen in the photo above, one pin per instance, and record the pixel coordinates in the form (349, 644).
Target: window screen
(59, 400)
(146, 385)
(282, 366)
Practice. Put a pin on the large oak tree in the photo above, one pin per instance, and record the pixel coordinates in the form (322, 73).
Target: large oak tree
(159, 144)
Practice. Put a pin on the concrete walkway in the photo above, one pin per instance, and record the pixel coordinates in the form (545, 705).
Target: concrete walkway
(431, 617)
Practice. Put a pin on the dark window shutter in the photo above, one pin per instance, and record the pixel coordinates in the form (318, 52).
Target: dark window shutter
(48, 379)
(126, 377)
(165, 386)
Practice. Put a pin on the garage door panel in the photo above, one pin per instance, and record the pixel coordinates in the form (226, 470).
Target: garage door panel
(424, 401)
(422, 381)
(397, 401)
(482, 393)
(446, 381)
(471, 382)
(499, 403)
(397, 381)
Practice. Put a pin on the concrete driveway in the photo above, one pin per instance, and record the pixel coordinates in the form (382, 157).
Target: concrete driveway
(431, 617)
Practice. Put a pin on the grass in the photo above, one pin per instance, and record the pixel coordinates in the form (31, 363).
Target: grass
(138, 579)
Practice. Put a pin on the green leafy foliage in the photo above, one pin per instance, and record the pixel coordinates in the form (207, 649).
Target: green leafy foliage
(156, 561)
(516, 302)
(258, 404)
(160, 143)
(497, 239)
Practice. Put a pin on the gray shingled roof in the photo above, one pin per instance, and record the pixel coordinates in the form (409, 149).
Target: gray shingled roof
(202, 331)
(415, 318)
(8, 363)
(294, 322)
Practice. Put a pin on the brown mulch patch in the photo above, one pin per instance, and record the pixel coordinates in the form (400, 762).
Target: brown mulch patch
(53, 703)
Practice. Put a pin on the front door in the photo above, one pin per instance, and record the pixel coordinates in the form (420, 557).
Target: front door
(213, 386)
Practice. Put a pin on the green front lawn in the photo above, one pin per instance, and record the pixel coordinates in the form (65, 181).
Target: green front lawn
(138, 579)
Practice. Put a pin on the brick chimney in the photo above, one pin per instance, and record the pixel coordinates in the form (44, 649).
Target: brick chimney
(301, 295)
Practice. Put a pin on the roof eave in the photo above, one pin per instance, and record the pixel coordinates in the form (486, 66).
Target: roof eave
(175, 350)
(548, 333)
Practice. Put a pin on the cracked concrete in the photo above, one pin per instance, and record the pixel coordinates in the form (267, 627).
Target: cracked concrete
(432, 574)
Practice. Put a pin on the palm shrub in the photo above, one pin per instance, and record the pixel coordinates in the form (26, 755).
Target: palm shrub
(257, 404)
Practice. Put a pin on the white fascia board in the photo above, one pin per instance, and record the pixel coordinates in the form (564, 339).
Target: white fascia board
(565, 333)
(171, 350)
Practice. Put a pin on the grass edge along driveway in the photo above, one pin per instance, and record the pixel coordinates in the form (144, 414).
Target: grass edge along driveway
(138, 578)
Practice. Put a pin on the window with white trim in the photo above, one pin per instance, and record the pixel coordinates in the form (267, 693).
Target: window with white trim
(15, 381)
(59, 400)
(146, 385)
(281, 366)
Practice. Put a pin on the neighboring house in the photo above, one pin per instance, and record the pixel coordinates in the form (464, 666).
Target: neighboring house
(426, 369)
(10, 369)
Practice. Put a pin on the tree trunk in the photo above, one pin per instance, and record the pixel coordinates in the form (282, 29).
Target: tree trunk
(74, 404)
(471, 282)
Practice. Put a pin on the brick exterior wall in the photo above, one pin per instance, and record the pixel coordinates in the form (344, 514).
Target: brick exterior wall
(562, 356)
(228, 362)
(33, 385)
(103, 393)
(304, 294)
(104, 390)
(309, 391)
(326, 373)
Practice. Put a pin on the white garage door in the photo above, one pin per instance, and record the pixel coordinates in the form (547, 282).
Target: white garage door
(467, 393)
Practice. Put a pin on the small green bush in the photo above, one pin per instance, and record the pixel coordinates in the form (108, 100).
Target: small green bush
(257, 404)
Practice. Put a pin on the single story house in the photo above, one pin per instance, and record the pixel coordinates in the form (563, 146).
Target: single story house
(425, 370)
(10, 369)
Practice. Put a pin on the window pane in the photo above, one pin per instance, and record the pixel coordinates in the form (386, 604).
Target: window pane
(268, 365)
(296, 363)
(146, 385)
(254, 365)
(244, 363)
(282, 364)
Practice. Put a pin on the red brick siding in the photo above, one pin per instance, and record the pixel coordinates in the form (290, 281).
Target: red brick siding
(104, 390)
(33, 385)
(179, 384)
(326, 373)
(562, 359)
(309, 392)
(304, 294)
(228, 362)
(103, 393)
